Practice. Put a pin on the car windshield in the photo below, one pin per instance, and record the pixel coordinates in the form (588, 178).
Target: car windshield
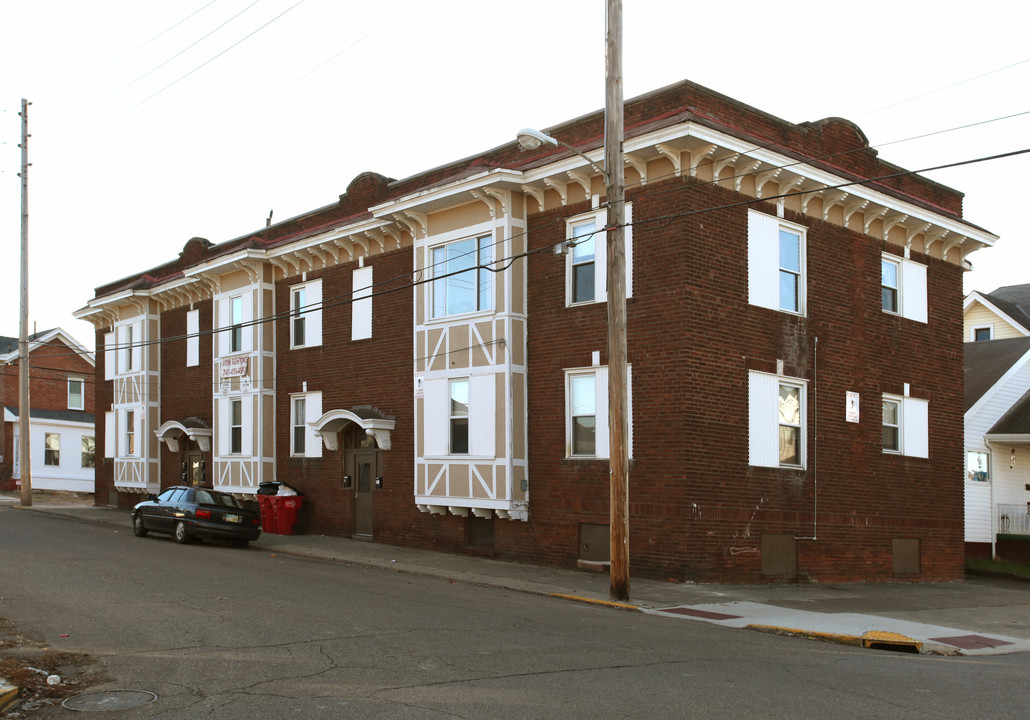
(209, 497)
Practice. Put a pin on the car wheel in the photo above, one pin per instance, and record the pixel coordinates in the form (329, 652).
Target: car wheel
(138, 528)
(182, 536)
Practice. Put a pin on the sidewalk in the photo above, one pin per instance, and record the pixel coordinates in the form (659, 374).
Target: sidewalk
(981, 616)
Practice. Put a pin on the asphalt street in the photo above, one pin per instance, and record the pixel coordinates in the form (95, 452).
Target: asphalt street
(221, 632)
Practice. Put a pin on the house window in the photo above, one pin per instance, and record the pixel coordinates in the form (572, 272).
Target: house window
(89, 452)
(192, 338)
(128, 347)
(981, 334)
(889, 272)
(903, 287)
(978, 466)
(790, 270)
(52, 449)
(776, 421)
(236, 426)
(583, 257)
(459, 417)
(462, 283)
(361, 303)
(236, 308)
(76, 398)
(583, 414)
(891, 425)
(905, 423)
(299, 425)
(776, 263)
(130, 432)
(298, 317)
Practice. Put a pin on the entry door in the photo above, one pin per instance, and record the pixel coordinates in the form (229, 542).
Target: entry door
(195, 469)
(364, 485)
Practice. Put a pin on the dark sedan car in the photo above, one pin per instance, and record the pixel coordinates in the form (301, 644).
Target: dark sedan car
(188, 512)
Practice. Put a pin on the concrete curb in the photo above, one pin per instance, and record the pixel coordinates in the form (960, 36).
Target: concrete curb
(873, 639)
(8, 696)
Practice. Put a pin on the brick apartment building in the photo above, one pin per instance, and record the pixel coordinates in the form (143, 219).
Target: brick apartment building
(62, 440)
(426, 359)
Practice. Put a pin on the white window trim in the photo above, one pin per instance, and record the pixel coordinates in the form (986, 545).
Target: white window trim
(82, 393)
(896, 262)
(602, 450)
(361, 303)
(600, 219)
(310, 314)
(913, 426)
(763, 262)
(232, 401)
(192, 338)
(483, 426)
(974, 328)
(912, 289)
(487, 234)
(312, 412)
(899, 403)
(46, 448)
(764, 419)
(233, 346)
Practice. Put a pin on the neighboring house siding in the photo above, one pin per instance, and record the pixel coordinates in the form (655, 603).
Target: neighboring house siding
(979, 316)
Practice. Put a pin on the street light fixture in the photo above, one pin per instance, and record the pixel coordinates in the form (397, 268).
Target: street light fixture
(530, 139)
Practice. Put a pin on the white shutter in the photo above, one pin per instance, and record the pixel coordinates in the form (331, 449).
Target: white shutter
(249, 300)
(223, 426)
(110, 357)
(223, 320)
(312, 412)
(763, 260)
(763, 428)
(248, 421)
(110, 434)
(482, 420)
(629, 407)
(137, 349)
(121, 442)
(435, 418)
(361, 304)
(313, 319)
(913, 291)
(192, 339)
(915, 414)
(601, 413)
(139, 439)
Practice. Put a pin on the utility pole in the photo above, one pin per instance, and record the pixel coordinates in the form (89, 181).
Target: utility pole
(25, 447)
(618, 421)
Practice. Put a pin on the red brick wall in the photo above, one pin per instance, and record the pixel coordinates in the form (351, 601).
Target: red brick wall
(697, 509)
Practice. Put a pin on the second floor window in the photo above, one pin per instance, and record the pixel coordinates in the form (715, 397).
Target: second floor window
(299, 318)
(584, 263)
(236, 342)
(76, 398)
(889, 285)
(128, 347)
(462, 284)
(776, 260)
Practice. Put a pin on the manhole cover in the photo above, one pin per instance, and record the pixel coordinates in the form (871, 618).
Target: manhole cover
(109, 700)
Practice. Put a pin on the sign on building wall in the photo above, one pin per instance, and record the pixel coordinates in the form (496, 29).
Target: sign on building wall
(851, 412)
(233, 367)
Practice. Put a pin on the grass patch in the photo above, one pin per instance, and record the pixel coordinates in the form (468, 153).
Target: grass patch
(1001, 566)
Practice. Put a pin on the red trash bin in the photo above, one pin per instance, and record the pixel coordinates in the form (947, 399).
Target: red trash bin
(285, 509)
(267, 513)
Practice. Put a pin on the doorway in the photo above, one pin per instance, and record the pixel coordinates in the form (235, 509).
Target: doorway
(362, 469)
(195, 471)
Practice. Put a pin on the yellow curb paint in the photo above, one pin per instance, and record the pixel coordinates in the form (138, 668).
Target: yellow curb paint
(839, 638)
(881, 637)
(592, 601)
(8, 694)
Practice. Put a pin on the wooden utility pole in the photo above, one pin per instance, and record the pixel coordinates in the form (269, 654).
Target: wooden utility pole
(618, 421)
(25, 447)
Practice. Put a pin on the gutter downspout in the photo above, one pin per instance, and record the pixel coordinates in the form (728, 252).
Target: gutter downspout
(994, 509)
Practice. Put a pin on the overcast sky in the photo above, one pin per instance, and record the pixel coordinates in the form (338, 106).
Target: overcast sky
(154, 122)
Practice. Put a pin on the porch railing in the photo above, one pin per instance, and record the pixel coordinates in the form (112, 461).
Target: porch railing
(1013, 519)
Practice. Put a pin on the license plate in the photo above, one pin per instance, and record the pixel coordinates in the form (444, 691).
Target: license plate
(233, 518)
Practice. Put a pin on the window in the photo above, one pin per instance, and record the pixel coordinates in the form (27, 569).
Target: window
(306, 314)
(889, 271)
(905, 426)
(89, 452)
(981, 334)
(299, 305)
(776, 421)
(361, 304)
(587, 263)
(236, 308)
(790, 270)
(891, 425)
(459, 417)
(299, 425)
(586, 415)
(978, 466)
(128, 347)
(462, 284)
(236, 426)
(130, 432)
(776, 263)
(76, 399)
(903, 287)
(584, 263)
(52, 449)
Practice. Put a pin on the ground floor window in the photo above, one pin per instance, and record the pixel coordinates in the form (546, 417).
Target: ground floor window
(52, 449)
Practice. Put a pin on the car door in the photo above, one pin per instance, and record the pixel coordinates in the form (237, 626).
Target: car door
(158, 515)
